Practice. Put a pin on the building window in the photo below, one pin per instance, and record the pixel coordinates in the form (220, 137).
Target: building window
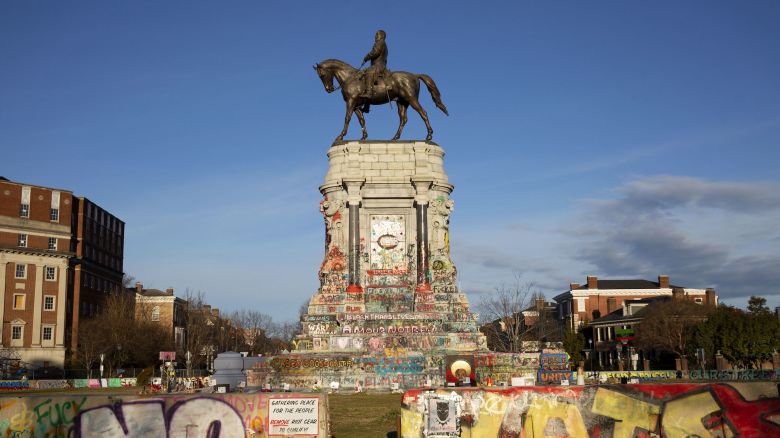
(156, 313)
(19, 300)
(24, 210)
(48, 302)
(16, 332)
(698, 300)
(23, 241)
(53, 243)
(21, 271)
(55, 215)
(47, 333)
(51, 273)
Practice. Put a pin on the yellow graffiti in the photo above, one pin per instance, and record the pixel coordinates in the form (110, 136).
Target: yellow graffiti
(543, 410)
(684, 417)
(23, 420)
(491, 408)
(629, 412)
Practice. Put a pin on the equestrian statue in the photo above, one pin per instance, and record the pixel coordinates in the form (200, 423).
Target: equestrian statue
(377, 86)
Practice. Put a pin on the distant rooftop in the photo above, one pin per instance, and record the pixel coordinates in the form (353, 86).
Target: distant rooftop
(625, 284)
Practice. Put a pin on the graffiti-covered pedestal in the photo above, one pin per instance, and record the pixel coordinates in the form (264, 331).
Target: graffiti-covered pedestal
(388, 287)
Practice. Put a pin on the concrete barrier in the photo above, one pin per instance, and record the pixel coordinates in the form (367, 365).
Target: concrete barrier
(214, 416)
(672, 410)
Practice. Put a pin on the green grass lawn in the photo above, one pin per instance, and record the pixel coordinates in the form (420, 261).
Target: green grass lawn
(364, 415)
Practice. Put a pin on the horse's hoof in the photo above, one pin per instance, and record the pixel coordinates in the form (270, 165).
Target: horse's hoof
(429, 137)
(365, 136)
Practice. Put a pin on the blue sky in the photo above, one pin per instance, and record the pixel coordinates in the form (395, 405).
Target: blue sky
(618, 139)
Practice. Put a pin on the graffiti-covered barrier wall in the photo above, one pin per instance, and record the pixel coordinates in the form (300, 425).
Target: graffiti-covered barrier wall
(671, 410)
(214, 416)
(405, 368)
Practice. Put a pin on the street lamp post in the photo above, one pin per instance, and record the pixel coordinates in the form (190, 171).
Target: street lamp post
(592, 352)
(119, 357)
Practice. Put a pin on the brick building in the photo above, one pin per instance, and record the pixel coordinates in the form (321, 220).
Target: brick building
(98, 247)
(584, 303)
(59, 255)
(164, 308)
(35, 236)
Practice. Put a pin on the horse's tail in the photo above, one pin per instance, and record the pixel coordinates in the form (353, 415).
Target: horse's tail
(435, 94)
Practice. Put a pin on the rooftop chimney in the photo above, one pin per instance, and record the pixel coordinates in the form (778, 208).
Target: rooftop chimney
(169, 291)
(573, 286)
(663, 281)
(139, 287)
(711, 298)
(540, 304)
(593, 282)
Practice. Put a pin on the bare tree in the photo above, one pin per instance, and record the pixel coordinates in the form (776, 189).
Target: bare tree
(201, 328)
(10, 360)
(667, 325)
(502, 316)
(90, 344)
(123, 339)
(255, 327)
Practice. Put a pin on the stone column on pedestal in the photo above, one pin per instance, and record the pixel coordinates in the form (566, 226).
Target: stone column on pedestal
(353, 201)
(422, 185)
(423, 284)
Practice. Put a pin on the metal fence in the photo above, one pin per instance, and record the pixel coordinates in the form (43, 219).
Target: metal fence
(55, 373)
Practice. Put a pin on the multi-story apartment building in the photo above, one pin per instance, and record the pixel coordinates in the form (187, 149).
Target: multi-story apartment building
(35, 253)
(98, 247)
(59, 255)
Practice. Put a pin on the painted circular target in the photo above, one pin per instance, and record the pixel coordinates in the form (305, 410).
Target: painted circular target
(460, 368)
(387, 241)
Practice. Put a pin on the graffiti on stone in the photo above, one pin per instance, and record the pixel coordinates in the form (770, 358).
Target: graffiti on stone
(642, 410)
(219, 416)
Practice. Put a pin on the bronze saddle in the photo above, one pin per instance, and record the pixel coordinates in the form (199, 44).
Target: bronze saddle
(378, 90)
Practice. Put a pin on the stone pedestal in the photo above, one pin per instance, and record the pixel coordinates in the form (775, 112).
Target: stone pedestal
(387, 281)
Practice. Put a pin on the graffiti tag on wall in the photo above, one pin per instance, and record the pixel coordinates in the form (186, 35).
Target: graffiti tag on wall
(704, 410)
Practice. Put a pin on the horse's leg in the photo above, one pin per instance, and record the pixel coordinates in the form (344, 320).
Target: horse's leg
(401, 118)
(417, 107)
(362, 122)
(347, 117)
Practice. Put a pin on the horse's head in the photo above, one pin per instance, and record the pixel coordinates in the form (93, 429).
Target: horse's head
(326, 76)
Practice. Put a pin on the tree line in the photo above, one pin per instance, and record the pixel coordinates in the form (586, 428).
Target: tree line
(129, 338)
(746, 338)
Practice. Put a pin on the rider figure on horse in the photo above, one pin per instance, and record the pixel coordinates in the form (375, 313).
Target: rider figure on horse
(378, 58)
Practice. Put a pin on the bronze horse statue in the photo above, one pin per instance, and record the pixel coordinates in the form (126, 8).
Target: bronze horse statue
(399, 86)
